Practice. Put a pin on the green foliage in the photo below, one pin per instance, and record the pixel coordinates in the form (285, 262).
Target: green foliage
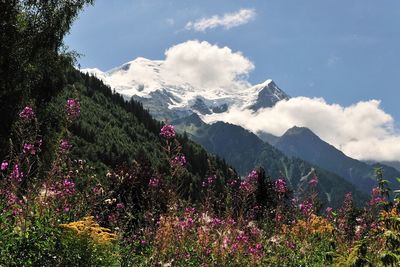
(32, 244)
(32, 59)
(82, 250)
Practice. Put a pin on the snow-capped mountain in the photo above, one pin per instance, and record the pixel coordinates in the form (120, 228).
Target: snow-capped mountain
(168, 96)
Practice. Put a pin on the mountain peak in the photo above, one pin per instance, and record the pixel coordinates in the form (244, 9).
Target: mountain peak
(296, 130)
(268, 94)
(153, 83)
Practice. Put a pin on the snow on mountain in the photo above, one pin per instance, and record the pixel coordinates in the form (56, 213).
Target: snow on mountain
(159, 88)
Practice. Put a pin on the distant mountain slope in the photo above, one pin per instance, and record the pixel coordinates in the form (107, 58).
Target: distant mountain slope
(301, 142)
(112, 131)
(244, 150)
(394, 164)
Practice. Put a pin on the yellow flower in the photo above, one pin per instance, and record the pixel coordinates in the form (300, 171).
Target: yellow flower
(88, 226)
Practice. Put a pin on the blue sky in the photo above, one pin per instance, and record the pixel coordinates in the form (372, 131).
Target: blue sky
(344, 51)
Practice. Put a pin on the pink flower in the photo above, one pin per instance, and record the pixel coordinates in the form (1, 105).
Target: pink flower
(187, 223)
(376, 197)
(246, 187)
(154, 182)
(179, 160)
(249, 184)
(16, 173)
(11, 198)
(27, 113)
(329, 213)
(29, 149)
(120, 206)
(210, 180)
(216, 222)
(306, 207)
(280, 186)
(278, 217)
(256, 249)
(73, 109)
(232, 182)
(252, 176)
(225, 242)
(98, 190)
(168, 131)
(235, 247)
(290, 244)
(65, 145)
(4, 165)
(314, 181)
(69, 187)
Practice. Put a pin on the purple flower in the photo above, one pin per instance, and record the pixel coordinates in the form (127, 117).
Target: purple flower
(246, 186)
(280, 186)
(306, 207)
(29, 149)
(210, 180)
(179, 160)
(314, 181)
(16, 173)
(249, 184)
(11, 199)
(252, 176)
(120, 206)
(256, 249)
(69, 187)
(232, 182)
(290, 244)
(216, 222)
(65, 145)
(73, 109)
(154, 182)
(27, 113)
(168, 131)
(4, 165)
(376, 197)
(187, 223)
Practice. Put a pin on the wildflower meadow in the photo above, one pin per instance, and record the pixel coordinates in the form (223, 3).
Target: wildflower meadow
(133, 216)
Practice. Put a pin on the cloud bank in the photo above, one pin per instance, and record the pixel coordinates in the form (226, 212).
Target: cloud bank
(226, 21)
(362, 131)
(205, 65)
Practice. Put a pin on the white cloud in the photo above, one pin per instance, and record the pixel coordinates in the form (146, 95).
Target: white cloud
(205, 65)
(226, 21)
(362, 131)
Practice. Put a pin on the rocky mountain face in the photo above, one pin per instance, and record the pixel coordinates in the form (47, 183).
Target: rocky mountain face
(166, 97)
